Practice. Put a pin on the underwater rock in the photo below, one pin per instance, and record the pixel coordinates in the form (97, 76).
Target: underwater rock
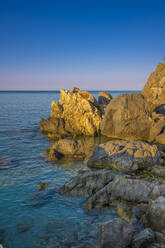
(125, 156)
(127, 117)
(154, 89)
(41, 197)
(25, 225)
(77, 113)
(116, 233)
(7, 163)
(2, 235)
(125, 212)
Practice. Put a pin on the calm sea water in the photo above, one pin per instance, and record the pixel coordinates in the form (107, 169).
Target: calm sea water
(52, 220)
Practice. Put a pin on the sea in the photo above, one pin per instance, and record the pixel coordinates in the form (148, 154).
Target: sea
(45, 219)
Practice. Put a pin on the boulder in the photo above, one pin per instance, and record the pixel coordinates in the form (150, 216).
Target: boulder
(154, 89)
(143, 239)
(42, 185)
(125, 156)
(105, 187)
(127, 117)
(116, 233)
(155, 215)
(77, 113)
(73, 149)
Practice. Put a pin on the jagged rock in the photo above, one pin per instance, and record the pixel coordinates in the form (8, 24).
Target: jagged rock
(143, 239)
(160, 238)
(154, 89)
(116, 233)
(104, 187)
(160, 109)
(127, 117)
(155, 215)
(87, 183)
(77, 113)
(125, 156)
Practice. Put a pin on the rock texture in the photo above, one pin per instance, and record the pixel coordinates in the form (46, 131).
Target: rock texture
(104, 187)
(125, 156)
(143, 239)
(104, 99)
(127, 117)
(116, 233)
(77, 113)
(155, 215)
(154, 89)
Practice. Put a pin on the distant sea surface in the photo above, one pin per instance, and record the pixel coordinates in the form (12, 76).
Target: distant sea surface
(47, 218)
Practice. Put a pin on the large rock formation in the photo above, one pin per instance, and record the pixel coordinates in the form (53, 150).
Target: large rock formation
(154, 89)
(125, 156)
(103, 187)
(127, 117)
(77, 113)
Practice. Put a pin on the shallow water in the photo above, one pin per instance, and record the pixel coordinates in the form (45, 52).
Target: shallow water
(55, 220)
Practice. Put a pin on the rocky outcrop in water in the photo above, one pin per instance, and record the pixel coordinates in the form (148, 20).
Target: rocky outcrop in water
(104, 187)
(154, 89)
(76, 113)
(125, 156)
(104, 99)
(127, 117)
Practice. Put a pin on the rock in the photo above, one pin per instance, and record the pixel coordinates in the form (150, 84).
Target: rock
(41, 197)
(2, 235)
(159, 171)
(143, 239)
(42, 185)
(25, 225)
(125, 212)
(104, 98)
(67, 148)
(155, 215)
(160, 138)
(87, 183)
(160, 109)
(125, 156)
(140, 210)
(127, 117)
(160, 238)
(104, 187)
(77, 113)
(116, 233)
(154, 89)
(7, 163)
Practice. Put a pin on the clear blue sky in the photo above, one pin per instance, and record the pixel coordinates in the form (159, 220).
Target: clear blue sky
(47, 45)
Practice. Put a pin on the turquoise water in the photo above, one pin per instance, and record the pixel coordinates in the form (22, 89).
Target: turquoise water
(53, 220)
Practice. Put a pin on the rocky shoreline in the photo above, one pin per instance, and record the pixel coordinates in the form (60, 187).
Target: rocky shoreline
(126, 165)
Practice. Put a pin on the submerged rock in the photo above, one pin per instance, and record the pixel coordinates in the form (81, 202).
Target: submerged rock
(25, 225)
(2, 235)
(125, 156)
(77, 113)
(127, 117)
(154, 89)
(116, 233)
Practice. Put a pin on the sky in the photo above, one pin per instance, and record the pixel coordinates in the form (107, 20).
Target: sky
(93, 45)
